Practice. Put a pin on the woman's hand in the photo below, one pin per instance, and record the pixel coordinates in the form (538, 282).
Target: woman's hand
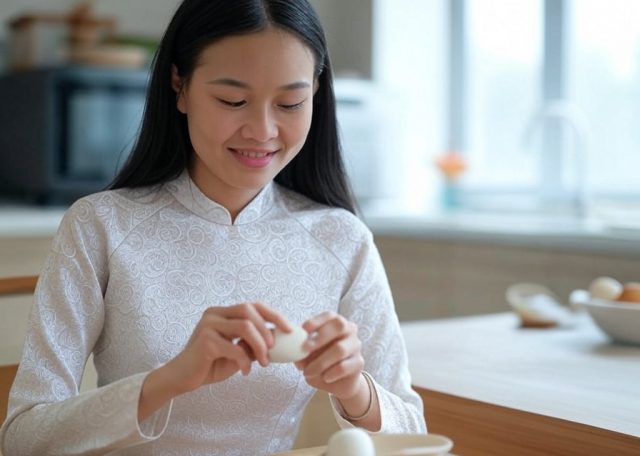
(334, 363)
(225, 340)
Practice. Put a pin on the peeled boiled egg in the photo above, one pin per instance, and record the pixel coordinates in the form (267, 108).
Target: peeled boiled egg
(351, 442)
(287, 347)
(605, 288)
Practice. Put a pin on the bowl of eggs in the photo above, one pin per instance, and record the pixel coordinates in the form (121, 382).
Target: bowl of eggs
(614, 307)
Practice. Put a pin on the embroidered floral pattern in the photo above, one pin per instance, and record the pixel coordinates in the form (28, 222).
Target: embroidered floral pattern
(130, 274)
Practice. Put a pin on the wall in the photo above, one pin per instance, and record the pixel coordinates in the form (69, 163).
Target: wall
(348, 28)
(145, 17)
(347, 24)
(432, 279)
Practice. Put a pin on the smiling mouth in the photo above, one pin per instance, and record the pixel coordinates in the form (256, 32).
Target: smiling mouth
(254, 158)
(253, 153)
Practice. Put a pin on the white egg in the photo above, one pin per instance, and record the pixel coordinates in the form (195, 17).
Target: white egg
(605, 288)
(287, 347)
(350, 442)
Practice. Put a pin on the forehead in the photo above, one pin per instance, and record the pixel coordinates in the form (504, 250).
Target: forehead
(271, 53)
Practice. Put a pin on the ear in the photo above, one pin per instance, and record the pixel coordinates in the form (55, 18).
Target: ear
(177, 84)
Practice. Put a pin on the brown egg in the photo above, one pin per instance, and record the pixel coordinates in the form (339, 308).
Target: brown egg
(630, 292)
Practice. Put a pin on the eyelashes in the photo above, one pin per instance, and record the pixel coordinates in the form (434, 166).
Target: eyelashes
(241, 103)
(232, 104)
(293, 107)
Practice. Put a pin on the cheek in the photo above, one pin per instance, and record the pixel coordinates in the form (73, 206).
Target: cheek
(211, 127)
(300, 128)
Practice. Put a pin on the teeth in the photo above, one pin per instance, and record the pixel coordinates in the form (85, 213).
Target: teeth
(251, 154)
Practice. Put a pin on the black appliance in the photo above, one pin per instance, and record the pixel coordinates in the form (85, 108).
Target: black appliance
(65, 131)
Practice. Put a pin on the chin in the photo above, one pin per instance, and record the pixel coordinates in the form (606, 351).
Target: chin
(256, 184)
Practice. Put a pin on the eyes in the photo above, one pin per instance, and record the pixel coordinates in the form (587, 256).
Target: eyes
(241, 103)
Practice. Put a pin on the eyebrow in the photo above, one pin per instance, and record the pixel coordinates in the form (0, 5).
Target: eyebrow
(243, 85)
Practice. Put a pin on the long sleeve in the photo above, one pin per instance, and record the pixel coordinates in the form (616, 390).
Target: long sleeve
(368, 302)
(129, 276)
(47, 414)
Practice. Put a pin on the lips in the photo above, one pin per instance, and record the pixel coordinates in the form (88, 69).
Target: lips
(254, 158)
(252, 153)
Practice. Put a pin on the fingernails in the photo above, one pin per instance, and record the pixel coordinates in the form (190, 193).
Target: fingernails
(309, 344)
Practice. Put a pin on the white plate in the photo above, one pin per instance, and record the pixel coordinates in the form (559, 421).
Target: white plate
(392, 445)
(411, 444)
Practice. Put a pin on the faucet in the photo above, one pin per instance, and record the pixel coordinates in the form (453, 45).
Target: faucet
(568, 114)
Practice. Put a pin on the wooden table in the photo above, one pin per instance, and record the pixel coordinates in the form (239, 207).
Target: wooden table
(497, 389)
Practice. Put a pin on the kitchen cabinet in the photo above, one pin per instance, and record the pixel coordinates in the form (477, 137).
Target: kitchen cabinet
(433, 278)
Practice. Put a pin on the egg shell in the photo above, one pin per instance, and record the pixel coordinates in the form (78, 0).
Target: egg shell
(287, 347)
(605, 288)
(351, 442)
(630, 292)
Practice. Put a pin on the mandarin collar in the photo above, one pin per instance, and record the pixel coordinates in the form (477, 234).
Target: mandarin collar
(190, 196)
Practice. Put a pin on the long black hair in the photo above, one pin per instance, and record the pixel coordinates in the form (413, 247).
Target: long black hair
(163, 148)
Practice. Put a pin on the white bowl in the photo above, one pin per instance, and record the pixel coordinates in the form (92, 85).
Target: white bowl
(411, 444)
(619, 320)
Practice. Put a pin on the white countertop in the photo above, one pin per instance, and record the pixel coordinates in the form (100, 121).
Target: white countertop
(529, 230)
(28, 221)
(525, 230)
(572, 373)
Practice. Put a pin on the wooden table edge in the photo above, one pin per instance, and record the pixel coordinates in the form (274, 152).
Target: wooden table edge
(480, 428)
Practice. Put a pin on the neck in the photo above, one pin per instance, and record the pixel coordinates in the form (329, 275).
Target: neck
(233, 199)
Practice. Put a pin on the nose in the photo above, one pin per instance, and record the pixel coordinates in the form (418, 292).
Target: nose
(260, 125)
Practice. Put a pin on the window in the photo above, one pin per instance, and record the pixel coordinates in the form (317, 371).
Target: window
(604, 80)
(503, 56)
(545, 102)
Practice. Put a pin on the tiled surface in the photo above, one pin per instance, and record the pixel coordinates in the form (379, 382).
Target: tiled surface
(432, 279)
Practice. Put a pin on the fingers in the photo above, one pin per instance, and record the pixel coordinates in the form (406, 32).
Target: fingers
(225, 340)
(274, 317)
(335, 361)
(327, 327)
(250, 323)
(223, 348)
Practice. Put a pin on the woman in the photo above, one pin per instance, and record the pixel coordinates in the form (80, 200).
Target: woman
(176, 276)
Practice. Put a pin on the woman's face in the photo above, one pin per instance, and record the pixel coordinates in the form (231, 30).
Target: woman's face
(248, 106)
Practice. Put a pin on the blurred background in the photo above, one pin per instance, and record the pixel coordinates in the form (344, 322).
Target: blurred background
(488, 141)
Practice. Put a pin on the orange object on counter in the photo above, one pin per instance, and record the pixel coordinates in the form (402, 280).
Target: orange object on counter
(452, 164)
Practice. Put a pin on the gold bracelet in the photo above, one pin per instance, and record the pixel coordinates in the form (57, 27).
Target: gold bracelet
(367, 412)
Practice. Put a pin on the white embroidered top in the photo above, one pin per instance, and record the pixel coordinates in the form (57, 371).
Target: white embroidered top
(129, 275)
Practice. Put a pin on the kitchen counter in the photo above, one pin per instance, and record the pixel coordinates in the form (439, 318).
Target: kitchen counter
(495, 388)
(26, 221)
(512, 229)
